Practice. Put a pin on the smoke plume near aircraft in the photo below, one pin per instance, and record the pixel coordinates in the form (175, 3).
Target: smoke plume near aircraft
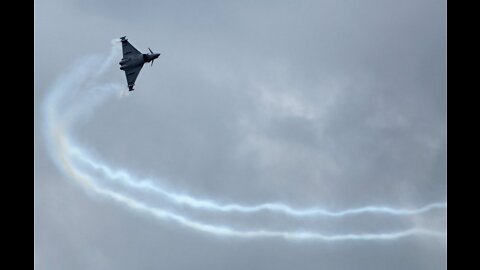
(72, 99)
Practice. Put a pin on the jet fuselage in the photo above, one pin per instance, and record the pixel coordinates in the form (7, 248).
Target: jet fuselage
(137, 60)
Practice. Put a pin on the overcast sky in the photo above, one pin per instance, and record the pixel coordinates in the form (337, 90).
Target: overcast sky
(340, 104)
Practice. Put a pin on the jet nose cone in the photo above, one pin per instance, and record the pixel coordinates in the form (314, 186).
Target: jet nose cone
(156, 55)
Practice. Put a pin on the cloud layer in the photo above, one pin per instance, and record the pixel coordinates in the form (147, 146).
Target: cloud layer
(340, 105)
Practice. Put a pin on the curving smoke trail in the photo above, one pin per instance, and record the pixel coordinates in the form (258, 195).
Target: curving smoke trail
(71, 99)
(149, 185)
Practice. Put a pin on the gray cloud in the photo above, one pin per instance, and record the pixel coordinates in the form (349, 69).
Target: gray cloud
(332, 103)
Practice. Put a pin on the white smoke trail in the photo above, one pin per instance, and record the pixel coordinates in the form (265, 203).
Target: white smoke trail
(149, 185)
(71, 98)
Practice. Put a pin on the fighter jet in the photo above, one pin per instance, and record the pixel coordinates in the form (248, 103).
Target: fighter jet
(133, 61)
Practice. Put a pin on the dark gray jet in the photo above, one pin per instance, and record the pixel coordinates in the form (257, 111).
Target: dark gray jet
(133, 61)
